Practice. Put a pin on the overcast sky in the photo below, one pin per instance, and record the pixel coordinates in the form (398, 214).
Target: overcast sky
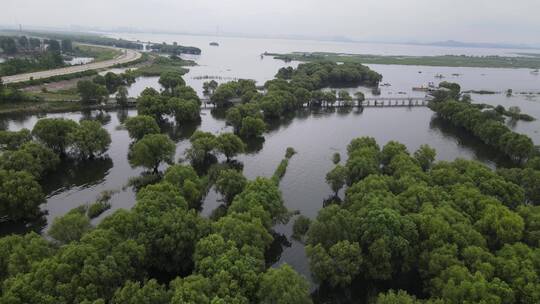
(513, 21)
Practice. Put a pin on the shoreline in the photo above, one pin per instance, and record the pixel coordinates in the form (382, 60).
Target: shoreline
(47, 107)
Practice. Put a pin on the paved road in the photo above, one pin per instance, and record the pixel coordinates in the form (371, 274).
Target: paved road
(127, 55)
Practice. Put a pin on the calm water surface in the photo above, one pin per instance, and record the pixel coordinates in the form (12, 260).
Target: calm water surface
(316, 135)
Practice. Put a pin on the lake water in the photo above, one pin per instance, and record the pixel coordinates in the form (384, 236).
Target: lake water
(316, 135)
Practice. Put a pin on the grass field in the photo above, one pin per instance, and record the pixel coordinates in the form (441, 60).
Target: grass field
(159, 65)
(39, 107)
(531, 61)
(96, 52)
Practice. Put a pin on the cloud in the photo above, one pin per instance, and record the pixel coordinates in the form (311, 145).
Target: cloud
(421, 20)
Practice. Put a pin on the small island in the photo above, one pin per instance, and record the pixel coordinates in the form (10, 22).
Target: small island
(521, 61)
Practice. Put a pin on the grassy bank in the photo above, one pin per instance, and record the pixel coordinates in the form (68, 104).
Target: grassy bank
(531, 62)
(97, 52)
(158, 65)
(51, 106)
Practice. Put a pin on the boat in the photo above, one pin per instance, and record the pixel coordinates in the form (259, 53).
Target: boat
(213, 43)
(439, 76)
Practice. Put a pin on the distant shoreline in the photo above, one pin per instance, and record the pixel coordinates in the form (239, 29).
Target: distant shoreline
(519, 62)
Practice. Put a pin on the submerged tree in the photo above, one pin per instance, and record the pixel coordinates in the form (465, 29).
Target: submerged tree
(54, 132)
(141, 125)
(229, 145)
(337, 178)
(20, 195)
(151, 151)
(89, 139)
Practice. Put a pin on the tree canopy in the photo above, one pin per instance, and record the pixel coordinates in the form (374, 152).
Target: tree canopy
(151, 151)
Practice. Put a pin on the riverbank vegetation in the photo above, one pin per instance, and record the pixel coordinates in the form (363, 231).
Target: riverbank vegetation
(83, 38)
(27, 157)
(486, 124)
(409, 230)
(96, 52)
(174, 49)
(289, 91)
(30, 55)
(525, 62)
(176, 99)
(433, 232)
(159, 65)
(164, 242)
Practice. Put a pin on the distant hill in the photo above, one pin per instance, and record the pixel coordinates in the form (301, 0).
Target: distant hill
(453, 43)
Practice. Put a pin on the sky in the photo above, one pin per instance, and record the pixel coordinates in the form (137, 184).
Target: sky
(495, 21)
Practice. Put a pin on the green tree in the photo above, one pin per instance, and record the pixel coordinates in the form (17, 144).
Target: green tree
(8, 45)
(20, 195)
(344, 97)
(252, 127)
(388, 240)
(112, 82)
(53, 133)
(191, 289)
(151, 151)
(232, 272)
(399, 297)
(170, 237)
(209, 87)
(67, 46)
(70, 227)
(337, 266)
(223, 94)
(336, 158)
(202, 145)
(390, 150)
(333, 224)
(19, 252)
(229, 145)
(141, 125)
(187, 180)
(171, 80)
(361, 165)
(184, 110)
(20, 161)
(32, 158)
(283, 286)
(301, 227)
(243, 229)
(122, 96)
(13, 140)
(152, 105)
(302, 96)
(46, 157)
(337, 178)
(89, 139)
(359, 96)
(425, 155)
(91, 92)
(230, 183)
(137, 293)
(500, 225)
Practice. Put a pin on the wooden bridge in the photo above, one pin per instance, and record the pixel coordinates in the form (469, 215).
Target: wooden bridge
(368, 102)
(393, 102)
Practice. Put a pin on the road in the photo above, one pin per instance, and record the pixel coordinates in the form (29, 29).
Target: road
(126, 56)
